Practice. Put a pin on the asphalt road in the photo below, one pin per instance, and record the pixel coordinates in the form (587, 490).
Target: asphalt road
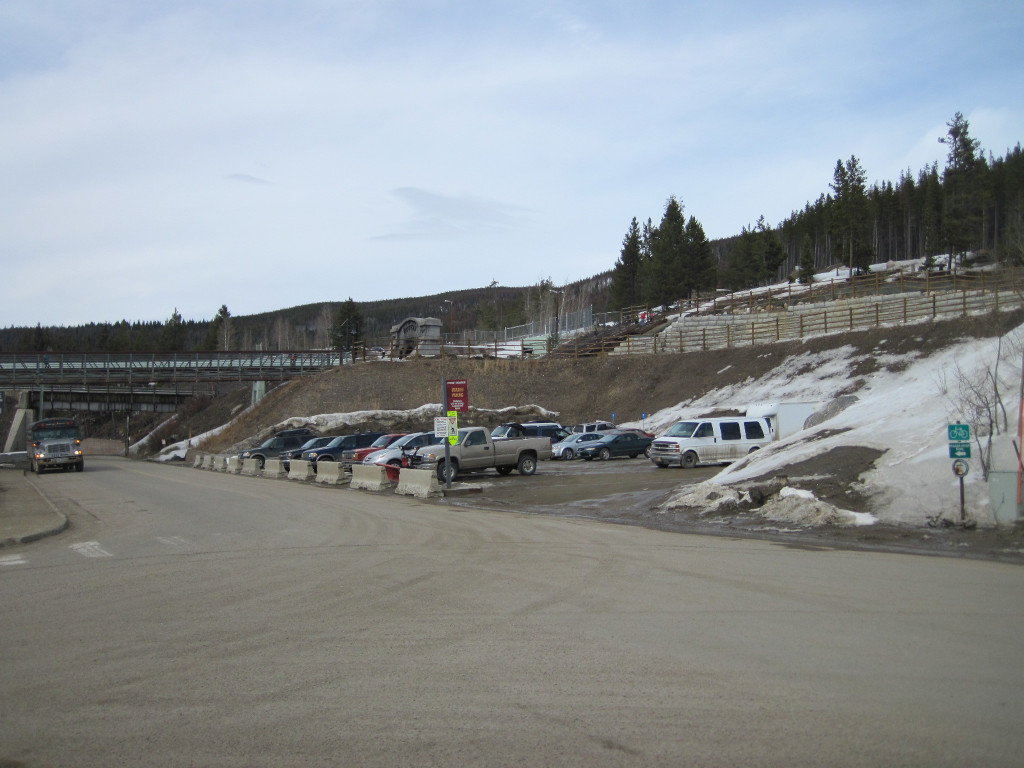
(197, 618)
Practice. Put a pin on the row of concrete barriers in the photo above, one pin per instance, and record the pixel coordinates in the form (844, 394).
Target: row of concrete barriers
(421, 483)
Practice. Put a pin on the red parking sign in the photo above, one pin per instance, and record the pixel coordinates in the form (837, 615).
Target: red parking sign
(456, 395)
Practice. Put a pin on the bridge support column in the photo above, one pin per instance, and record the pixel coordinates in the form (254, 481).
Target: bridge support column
(23, 416)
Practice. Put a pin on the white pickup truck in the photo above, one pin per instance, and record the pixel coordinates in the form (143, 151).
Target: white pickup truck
(475, 451)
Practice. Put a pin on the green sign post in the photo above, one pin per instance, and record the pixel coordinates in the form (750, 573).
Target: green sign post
(960, 450)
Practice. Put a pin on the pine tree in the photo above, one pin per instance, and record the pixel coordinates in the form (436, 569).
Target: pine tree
(347, 331)
(625, 289)
(220, 335)
(806, 272)
(851, 212)
(701, 267)
(962, 190)
(172, 335)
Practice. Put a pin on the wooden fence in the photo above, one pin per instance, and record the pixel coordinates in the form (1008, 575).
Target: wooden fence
(704, 332)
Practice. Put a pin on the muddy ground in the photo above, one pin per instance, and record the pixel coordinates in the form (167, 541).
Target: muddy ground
(632, 491)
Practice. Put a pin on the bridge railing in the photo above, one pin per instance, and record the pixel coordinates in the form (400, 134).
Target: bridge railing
(20, 370)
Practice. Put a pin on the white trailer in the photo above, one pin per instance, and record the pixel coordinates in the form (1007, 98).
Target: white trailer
(787, 418)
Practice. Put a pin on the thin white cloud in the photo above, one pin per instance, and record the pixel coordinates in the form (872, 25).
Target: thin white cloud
(446, 216)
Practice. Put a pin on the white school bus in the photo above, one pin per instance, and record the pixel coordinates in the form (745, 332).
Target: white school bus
(55, 444)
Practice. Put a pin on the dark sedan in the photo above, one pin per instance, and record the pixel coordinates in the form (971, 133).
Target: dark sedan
(631, 444)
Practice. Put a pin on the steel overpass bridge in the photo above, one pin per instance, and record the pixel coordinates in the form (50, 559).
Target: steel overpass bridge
(145, 381)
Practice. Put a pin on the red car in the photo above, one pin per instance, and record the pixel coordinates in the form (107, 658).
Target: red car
(348, 458)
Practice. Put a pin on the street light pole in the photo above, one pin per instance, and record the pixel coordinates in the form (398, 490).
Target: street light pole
(557, 295)
(451, 318)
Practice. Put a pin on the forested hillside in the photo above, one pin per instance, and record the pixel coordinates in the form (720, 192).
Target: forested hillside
(974, 205)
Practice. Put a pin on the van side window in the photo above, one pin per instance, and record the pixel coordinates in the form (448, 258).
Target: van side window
(730, 430)
(754, 430)
(704, 430)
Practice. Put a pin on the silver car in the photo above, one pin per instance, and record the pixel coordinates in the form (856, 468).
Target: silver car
(569, 448)
(393, 453)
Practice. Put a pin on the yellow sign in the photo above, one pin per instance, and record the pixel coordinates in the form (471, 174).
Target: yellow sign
(453, 427)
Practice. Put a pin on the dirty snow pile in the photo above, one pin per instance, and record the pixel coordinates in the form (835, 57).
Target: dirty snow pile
(903, 412)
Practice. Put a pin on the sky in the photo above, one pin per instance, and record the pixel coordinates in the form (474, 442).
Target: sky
(166, 155)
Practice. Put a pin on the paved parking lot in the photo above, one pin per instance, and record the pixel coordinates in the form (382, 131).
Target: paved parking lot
(607, 490)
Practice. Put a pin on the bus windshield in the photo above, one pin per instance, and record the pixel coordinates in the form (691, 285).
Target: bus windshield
(54, 432)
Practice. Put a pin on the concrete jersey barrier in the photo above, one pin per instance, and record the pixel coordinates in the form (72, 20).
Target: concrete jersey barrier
(330, 472)
(300, 469)
(274, 468)
(234, 464)
(250, 467)
(369, 477)
(421, 483)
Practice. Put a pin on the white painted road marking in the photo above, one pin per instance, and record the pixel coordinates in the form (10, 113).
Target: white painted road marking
(12, 560)
(174, 541)
(90, 549)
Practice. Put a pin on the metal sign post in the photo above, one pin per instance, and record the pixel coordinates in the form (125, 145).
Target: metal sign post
(960, 450)
(456, 400)
(960, 469)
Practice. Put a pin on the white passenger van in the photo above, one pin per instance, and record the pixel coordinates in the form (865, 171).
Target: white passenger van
(711, 441)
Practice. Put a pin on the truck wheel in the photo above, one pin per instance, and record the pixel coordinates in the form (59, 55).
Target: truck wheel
(259, 462)
(604, 454)
(451, 475)
(527, 464)
(690, 460)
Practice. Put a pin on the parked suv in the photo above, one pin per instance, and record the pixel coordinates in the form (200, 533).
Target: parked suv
(296, 453)
(274, 446)
(594, 426)
(549, 429)
(334, 449)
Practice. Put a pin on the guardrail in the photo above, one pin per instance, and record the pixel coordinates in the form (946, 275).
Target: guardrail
(131, 368)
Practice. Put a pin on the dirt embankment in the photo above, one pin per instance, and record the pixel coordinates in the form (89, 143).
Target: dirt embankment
(583, 389)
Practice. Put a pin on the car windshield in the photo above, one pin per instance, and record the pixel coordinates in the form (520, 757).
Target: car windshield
(683, 429)
(405, 440)
(381, 442)
(310, 444)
